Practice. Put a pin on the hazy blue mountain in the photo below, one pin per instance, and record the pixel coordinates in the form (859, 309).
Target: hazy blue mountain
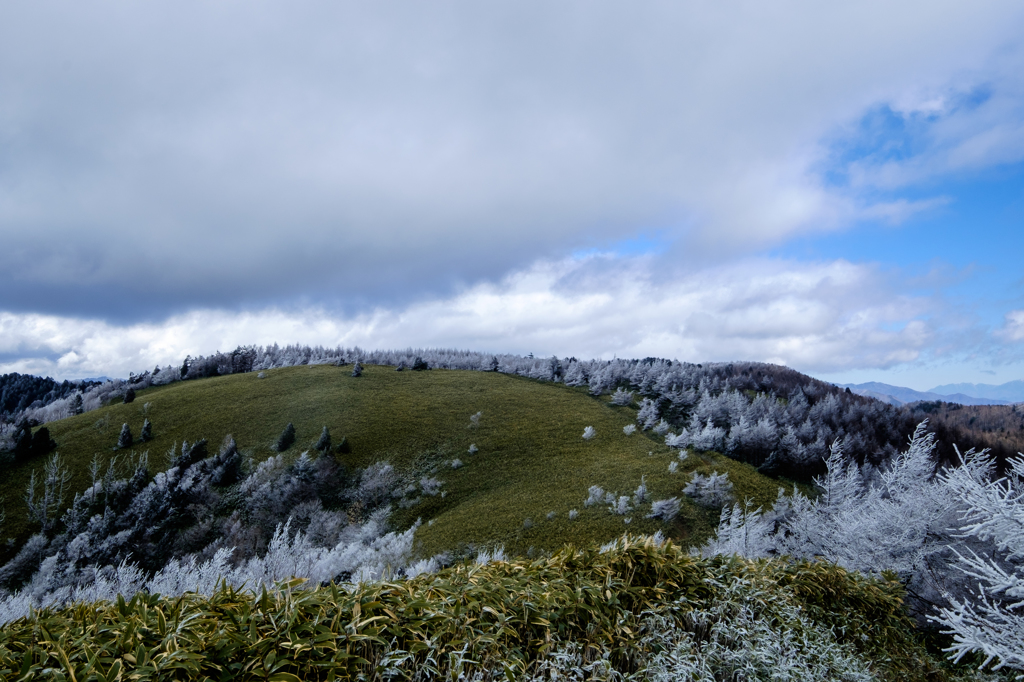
(1011, 391)
(900, 395)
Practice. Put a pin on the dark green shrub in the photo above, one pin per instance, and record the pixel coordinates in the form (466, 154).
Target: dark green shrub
(286, 439)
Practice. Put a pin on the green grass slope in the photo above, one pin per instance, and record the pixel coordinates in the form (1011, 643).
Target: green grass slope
(532, 462)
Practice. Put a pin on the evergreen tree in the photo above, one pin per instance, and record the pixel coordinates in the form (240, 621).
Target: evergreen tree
(76, 404)
(147, 431)
(357, 369)
(324, 444)
(420, 364)
(287, 437)
(129, 395)
(125, 439)
(41, 442)
(343, 447)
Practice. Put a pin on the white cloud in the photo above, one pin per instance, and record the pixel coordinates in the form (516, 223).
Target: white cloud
(164, 156)
(815, 317)
(1013, 328)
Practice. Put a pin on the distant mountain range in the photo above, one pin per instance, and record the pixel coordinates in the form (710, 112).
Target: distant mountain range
(1010, 392)
(964, 394)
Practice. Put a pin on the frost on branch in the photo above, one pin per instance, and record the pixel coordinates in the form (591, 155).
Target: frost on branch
(991, 619)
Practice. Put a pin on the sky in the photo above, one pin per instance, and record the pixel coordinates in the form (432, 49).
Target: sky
(837, 187)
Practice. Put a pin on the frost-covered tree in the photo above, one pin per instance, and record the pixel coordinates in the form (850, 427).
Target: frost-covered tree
(147, 431)
(711, 437)
(666, 510)
(990, 619)
(647, 415)
(323, 444)
(43, 508)
(622, 397)
(286, 439)
(357, 369)
(640, 495)
(124, 440)
(714, 490)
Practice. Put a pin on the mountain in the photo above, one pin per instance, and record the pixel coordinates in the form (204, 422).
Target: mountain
(1010, 392)
(900, 395)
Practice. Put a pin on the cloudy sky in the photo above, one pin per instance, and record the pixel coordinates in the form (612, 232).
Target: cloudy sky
(838, 187)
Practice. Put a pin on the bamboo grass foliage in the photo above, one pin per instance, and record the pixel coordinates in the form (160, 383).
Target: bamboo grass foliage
(621, 611)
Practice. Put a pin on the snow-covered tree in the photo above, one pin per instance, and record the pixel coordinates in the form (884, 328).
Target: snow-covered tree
(147, 431)
(124, 440)
(713, 490)
(622, 397)
(44, 508)
(990, 620)
(666, 510)
(647, 416)
(323, 444)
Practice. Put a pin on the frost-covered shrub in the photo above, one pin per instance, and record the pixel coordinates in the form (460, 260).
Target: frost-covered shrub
(714, 490)
(589, 433)
(673, 467)
(430, 486)
(147, 431)
(621, 506)
(474, 419)
(573, 514)
(357, 369)
(661, 428)
(746, 634)
(488, 555)
(677, 441)
(377, 483)
(473, 449)
(595, 496)
(622, 397)
(456, 463)
(640, 494)
(666, 510)
(629, 429)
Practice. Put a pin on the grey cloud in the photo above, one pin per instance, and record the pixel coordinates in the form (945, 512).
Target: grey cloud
(158, 157)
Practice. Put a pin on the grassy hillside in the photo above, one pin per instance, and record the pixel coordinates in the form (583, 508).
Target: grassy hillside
(532, 461)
